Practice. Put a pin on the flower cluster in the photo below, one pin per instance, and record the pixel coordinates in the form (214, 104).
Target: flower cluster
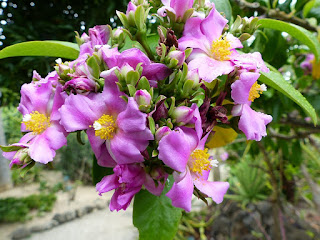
(147, 108)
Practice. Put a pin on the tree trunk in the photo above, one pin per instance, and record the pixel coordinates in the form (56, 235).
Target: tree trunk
(5, 175)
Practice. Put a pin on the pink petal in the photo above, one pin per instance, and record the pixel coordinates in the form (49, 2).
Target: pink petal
(181, 192)
(215, 190)
(174, 151)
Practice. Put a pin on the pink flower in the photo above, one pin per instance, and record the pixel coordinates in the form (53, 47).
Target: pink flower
(127, 180)
(183, 151)
(116, 129)
(212, 52)
(39, 105)
(177, 7)
(132, 57)
(244, 92)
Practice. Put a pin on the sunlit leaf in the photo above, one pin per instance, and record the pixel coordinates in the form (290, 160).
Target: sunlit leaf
(42, 48)
(303, 35)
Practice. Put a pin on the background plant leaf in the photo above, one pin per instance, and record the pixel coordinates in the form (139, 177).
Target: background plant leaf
(154, 216)
(42, 48)
(275, 80)
(301, 34)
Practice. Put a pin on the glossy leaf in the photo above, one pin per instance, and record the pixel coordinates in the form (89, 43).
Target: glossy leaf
(154, 216)
(42, 48)
(311, 4)
(303, 35)
(275, 80)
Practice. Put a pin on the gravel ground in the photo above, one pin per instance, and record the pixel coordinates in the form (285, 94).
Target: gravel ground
(97, 225)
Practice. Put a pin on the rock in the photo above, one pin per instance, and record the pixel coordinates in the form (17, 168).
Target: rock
(89, 209)
(100, 205)
(60, 218)
(221, 225)
(70, 215)
(81, 212)
(265, 208)
(54, 223)
(21, 232)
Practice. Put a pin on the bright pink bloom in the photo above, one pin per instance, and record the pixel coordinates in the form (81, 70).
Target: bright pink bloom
(244, 91)
(177, 7)
(127, 180)
(132, 57)
(116, 129)
(39, 105)
(183, 150)
(212, 52)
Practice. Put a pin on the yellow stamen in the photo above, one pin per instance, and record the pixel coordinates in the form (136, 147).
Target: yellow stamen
(315, 69)
(220, 49)
(105, 127)
(36, 122)
(200, 161)
(255, 92)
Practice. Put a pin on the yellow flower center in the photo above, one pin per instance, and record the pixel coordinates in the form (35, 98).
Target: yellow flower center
(315, 69)
(200, 161)
(36, 122)
(255, 91)
(220, 49)
(105, 127)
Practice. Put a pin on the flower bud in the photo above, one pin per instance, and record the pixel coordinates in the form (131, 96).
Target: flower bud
(182, 114)
(143, 98)
(179, 56)
(161, 132)
(194, 76)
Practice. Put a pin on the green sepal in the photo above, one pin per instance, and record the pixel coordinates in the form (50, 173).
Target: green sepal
(10, 148)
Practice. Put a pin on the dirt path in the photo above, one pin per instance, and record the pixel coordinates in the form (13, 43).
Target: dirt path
(99, 225)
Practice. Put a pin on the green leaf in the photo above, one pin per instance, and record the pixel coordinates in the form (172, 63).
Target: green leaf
(99, 172)
(9, 148)
(295, 31)
(311, 4)
(154, 216)
(275, 80)
(223, 6)
(41, 48)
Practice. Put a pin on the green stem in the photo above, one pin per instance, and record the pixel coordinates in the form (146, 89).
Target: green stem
(142, 39)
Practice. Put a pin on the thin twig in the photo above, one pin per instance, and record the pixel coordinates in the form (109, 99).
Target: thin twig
(277, 14)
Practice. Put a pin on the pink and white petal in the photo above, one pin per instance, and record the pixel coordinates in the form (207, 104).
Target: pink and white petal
(79, 111)
(107, 184)
(162, 12)
(181, 6)
(40, 150)
(253, 123)
(55, 135)
(209, 68)
(124, 150)
(191, 137)
(132, 119)
(174, 151)
(215, 190)
(99, 148)
(181, 192)
(212, 26)
(234, 42)
(241, 88)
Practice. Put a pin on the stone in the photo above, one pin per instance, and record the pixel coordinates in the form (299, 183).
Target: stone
(81, 212)
(70, 215)
(20, 233)
(89, 209)
(221, 225)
